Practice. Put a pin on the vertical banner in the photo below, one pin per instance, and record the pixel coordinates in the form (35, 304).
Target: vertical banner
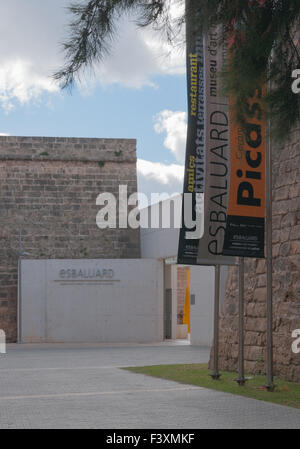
(217, 151)
(244, 234)
(194, 174)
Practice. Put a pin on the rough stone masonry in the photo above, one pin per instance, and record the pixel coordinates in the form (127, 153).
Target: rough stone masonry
(286, 280)
(48, 190)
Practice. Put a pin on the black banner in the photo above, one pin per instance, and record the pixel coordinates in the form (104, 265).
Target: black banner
(194, 175)
(217, 156)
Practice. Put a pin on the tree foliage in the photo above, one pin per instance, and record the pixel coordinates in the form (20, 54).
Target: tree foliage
(264, 36)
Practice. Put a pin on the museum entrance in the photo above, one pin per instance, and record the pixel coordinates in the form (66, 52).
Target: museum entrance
(176, 300)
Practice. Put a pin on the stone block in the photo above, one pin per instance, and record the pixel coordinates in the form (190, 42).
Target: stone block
(260, 294)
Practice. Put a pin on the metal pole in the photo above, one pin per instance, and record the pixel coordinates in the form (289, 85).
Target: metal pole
(215, 372)
(19, 288)
(241, 378)
(269, 362)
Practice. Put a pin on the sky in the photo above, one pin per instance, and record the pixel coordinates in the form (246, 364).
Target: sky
(137, 91)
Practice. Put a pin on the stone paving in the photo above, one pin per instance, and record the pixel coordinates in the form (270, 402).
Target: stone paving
(82, 386)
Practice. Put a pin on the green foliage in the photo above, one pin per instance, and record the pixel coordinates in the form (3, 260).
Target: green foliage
(263, 33)
(265, 47)
(94, 26)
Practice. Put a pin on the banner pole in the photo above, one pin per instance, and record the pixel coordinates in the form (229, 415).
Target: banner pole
(269, 362)
(241, 377)
(215, 372)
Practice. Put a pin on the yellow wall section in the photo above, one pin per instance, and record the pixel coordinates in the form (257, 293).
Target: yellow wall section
(187, 305)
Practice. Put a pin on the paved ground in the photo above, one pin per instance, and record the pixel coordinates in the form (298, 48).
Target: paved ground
(82, 386)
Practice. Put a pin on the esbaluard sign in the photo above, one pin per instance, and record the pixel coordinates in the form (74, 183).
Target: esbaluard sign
(86, 275)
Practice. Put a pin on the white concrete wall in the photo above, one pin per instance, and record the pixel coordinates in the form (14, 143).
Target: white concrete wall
(202, 313)
(60, 303)
(202, 286)
(158, 241)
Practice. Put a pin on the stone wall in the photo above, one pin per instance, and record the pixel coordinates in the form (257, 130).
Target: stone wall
(286, 280)
(48, 190)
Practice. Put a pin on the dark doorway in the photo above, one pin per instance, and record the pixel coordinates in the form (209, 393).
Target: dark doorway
(168, 313)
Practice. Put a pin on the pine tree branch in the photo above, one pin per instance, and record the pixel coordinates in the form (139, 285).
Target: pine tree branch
(258, 28)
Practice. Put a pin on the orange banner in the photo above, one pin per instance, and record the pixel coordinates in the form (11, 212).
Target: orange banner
(244, 235)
